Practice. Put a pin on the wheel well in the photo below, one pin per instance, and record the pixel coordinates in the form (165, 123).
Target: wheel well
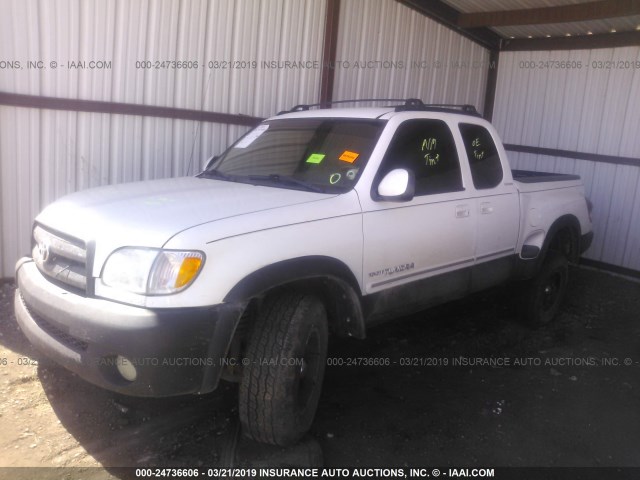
(329, 279)
(564, 238)
(344, 313)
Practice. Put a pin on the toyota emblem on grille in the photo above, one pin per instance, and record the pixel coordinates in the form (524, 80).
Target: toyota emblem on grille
(43, 252)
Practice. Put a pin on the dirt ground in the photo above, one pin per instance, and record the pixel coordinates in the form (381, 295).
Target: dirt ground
(566, 397)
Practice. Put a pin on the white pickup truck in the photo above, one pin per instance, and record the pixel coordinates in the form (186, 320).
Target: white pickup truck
(316, 221)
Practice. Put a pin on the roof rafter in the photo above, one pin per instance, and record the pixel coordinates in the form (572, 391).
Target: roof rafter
(448, 16)
(583, 42)
(562, 14)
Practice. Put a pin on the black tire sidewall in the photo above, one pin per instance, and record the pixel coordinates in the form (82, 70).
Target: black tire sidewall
(270, 410)
(536, 314)
(314, 325)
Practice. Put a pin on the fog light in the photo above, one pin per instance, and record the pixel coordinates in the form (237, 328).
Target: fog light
(126, 368)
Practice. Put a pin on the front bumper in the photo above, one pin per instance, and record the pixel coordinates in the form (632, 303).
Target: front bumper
(174, 351)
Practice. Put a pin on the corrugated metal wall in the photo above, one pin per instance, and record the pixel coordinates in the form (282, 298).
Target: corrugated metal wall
(124, 32)
(594, 108)
(388, 50)
(45, 154)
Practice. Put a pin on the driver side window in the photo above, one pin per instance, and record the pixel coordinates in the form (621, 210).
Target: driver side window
(427, 148)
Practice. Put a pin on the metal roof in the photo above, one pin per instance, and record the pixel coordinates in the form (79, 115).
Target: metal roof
(610, 25)
(607, 25)
(469, 6)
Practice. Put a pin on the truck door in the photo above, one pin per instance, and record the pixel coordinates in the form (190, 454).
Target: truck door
(496, 205)
(423, 249)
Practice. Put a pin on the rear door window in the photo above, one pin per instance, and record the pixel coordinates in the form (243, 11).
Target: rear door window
(486, 169)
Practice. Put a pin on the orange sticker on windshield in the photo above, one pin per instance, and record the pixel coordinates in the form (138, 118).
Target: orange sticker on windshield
(348, 156)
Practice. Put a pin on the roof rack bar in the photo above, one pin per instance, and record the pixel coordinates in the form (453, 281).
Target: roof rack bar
(405, 104)
(302, 107)
(373, 100)
(463, 108)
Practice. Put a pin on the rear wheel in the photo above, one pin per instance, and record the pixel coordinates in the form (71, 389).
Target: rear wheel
(546, 291)
(285, 359)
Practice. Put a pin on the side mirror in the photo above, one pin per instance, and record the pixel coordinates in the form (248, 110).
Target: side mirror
(397, 186)
(211, 161)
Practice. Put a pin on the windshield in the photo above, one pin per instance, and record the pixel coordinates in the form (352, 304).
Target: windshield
(315, 154)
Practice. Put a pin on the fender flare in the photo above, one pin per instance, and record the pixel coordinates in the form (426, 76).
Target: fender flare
(329, 277)
(566, 221)
(527, 268)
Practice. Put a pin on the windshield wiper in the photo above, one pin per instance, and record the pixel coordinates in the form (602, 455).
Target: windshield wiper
(217, 174)
(277, 179)
(263, 179)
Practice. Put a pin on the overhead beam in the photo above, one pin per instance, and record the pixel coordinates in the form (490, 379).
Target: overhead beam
(563, 14)
(448, 16)
(492, 81)
(582, 42)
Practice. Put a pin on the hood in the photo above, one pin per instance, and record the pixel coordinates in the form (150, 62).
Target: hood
(149, 213)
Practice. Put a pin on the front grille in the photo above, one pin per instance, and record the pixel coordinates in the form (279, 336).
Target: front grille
(63, 260)
(68, 340)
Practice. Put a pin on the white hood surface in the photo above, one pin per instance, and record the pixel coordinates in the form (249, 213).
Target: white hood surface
(150, 213)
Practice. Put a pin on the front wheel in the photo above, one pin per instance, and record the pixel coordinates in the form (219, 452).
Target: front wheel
(285, 360)
(546, 291)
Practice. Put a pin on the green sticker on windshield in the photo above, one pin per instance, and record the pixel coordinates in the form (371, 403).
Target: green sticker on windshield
(315, 158)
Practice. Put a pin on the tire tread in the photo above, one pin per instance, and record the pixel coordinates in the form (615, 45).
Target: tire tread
(258, 397)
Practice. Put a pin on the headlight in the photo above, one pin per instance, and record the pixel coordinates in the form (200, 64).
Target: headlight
(151, 271)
